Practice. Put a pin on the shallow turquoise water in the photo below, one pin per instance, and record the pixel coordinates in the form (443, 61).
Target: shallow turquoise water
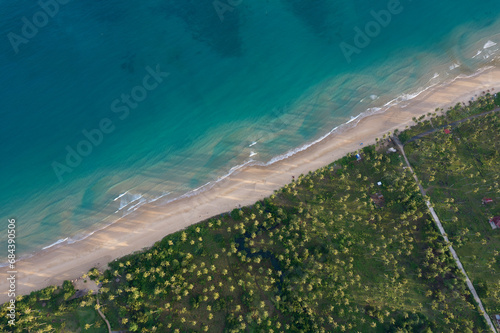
(267, 72)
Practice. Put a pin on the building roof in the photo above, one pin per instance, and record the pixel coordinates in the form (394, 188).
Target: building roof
(496, 220)
(447, 131)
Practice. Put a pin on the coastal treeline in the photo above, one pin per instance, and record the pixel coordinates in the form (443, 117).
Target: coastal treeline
(350, 247)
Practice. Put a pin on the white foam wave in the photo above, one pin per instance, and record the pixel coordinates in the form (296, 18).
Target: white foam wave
(130, 210)
(159, 197)
(77, 239)
(478, 53)
(252, 153)
(407, 97)
(478, 72)
(127, 199)
(236, 168)
(137, 204)
(121, 195)
(490, 53)
(489, 44)
(55, 243)
(373, 110)
(453, 66)
(253, 144)
(209, 185)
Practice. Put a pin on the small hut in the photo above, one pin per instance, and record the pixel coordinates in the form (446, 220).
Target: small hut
(495, 222)
(487, 201)
(378, 199)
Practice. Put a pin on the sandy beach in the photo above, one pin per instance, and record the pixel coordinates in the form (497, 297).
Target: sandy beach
(151, 224)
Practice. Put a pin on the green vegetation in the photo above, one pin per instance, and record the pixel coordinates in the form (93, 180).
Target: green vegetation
(53, 310)
(331, 251)
(458, 170)
(317, 256)
(460, 111)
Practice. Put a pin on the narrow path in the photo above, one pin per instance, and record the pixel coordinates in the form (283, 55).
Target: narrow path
(443, 233)
(103, 316)
(421, 135)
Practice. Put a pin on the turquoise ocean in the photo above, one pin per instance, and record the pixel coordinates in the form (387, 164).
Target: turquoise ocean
(178, 94)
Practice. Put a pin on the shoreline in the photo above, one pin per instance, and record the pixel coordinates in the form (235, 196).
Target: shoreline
(401, 100)
(243, 187)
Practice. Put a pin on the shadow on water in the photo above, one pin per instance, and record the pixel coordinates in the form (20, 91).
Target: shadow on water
(322, 17)
(205, 25)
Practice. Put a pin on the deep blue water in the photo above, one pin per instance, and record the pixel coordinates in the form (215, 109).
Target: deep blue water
(271, 72)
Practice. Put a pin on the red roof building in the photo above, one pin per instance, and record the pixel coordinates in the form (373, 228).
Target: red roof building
(447, 131)
(487, 201)
(496, 221)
